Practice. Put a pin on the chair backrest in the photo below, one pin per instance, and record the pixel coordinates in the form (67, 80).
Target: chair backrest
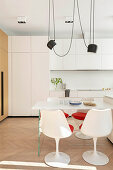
(54, 124)
(53, 100)
(97, 123)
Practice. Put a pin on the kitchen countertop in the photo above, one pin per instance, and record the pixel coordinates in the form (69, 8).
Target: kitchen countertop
(109, 95)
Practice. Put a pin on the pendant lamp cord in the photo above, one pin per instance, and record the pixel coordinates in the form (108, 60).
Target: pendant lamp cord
(92, 16)
(90, 20)
(93, 19)
(71, 30)
(53, 19)
(49, 20)
(81, 25)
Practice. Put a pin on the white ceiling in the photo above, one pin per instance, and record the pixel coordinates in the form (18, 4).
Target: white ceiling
(37, 13)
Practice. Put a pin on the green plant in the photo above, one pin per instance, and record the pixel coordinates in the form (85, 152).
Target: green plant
(56, 81)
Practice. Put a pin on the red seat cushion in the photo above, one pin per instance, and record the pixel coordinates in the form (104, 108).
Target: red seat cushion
(71, 128)
(79, 115)
(66, 115)
(80, 126)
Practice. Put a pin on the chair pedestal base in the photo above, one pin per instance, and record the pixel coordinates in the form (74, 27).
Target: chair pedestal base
(60, 160)
(80, 135)
(97, 158)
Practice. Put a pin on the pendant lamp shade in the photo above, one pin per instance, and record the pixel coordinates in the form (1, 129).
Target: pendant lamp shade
(51, 44)
(92, 48)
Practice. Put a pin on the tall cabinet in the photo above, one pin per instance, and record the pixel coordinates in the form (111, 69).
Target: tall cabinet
(3, 75)
(28, 73)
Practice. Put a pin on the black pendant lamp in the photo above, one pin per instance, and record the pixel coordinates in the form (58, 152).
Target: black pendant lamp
(92, 47)
(52, 43)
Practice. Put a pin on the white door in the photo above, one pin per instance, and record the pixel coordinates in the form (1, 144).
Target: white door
(40, 78)
(21, 84)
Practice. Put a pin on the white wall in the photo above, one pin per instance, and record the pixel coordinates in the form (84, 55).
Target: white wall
(85, 79)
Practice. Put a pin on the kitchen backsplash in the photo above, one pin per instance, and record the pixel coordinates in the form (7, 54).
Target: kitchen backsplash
(84, 79)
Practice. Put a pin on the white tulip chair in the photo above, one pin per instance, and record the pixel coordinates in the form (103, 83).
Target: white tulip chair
(55, 125)
(97, 123)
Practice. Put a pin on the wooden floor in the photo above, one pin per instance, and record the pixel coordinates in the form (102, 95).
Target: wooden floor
(18, 147)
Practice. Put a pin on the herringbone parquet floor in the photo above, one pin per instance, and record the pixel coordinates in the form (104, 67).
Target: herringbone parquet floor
(18, 147)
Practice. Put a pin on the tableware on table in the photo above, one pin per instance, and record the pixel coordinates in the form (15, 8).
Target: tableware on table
(75, 102)
(89, 104)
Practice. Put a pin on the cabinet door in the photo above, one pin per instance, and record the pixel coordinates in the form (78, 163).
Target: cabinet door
(89, 62)
(107, 46)
(69, 62)
(107, 62)
(56, 62)
(66, 44)
(40, 77)
(21, 84)
(21, 44)
(39, 44)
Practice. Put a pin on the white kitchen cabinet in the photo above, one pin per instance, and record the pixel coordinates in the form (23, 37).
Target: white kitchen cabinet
(107, 46)
(58, 47)
(21, 84)
(40, 78)
(66, 44)
(56, 62)
(78, 57)
(69, 62)
(21, 44)
(107, 62)
(89, 62)
(39, 44)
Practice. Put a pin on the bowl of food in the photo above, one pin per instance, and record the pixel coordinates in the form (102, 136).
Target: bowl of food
(75, 102)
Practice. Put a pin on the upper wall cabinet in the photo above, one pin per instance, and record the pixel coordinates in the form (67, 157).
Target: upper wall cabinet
(21, 44)
(67, 62)
(62, 46)
(89, 62)
(107, 62)
(39, 44)
(56, 63)
(107, 46)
